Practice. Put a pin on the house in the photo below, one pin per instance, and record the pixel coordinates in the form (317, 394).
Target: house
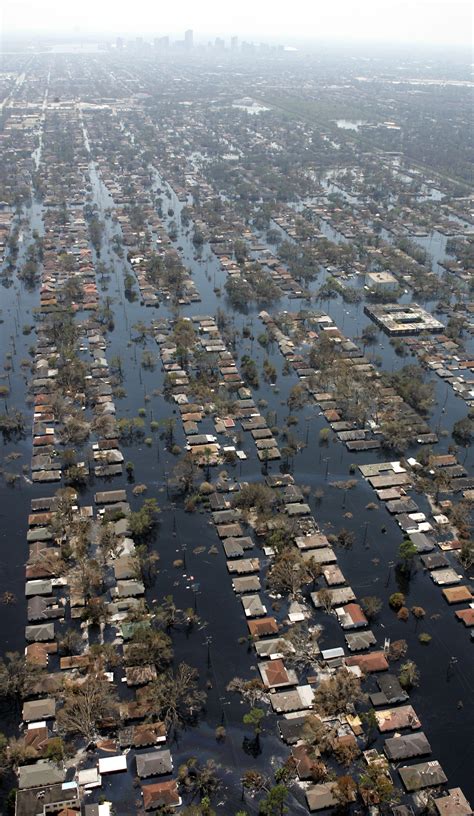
(244, 566)
(351, 616)
(457, 594)
(466, 616)
(54, 798)
(406, 747)
(454, 804)
(333, 575)
(36, 710)
(253, 606)
(358, 641)
(291, 727)
(303, 756)
(103, 809)
(274, 648)
(390, 692)
(142, 736)
(249, 583)
(321, 555)
(40, 632)
(41, 774)
(441, 577)
(424, 775)
(274, 674)
(154, 763)
(112, 764)
(89, 778)
(298, 699)
(262, 627)
(370, 662)
(336, 597)
(394, 719)
(320, 797)
(161, 794)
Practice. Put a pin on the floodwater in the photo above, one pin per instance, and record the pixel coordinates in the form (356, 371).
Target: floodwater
(348, 124)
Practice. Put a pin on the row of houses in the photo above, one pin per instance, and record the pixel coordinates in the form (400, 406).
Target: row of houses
(59, 599)
(290, 693)
(210, 357)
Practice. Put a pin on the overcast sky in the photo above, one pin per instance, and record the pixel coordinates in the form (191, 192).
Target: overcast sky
(429, 21)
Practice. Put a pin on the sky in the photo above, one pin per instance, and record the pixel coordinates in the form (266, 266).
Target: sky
(447, 22)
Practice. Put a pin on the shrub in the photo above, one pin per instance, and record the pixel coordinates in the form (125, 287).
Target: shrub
(396, 601)
(418, 612)
(424, 638)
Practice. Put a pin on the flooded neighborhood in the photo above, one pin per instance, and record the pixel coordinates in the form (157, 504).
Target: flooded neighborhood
(237, 425)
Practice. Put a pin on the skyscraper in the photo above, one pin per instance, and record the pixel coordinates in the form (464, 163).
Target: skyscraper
(188, 38)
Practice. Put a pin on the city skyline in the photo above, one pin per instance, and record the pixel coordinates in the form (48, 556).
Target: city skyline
(427, 21)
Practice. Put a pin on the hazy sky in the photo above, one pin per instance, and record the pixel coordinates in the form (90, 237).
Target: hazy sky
(430, 21)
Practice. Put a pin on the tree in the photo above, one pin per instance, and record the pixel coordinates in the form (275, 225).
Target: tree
(324, 597)
(463, 429)
(337, 694)
(109, 542)
(254, 718)
(406, 553)
(258, 496)
(345, 790)
(184, 472)
(409, 676)
(376, 786)
(185, 339)
(466, 554)
(300, 645)
(441, 483)
(143, 521)
(369, 724)
(85, 706)
(345, 538)
(274, 802)
(174, 697)
(145, 563)
(369, 334)
(319, 734)
(371, 606)
(70, 642)
(148, 645)
(288, 573)
(418, 612)
(411, 385)
(16, 675)
(199, 779)
(396, 600)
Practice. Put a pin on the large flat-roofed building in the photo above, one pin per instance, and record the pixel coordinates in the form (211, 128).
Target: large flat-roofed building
(406, 318)
(381, 280)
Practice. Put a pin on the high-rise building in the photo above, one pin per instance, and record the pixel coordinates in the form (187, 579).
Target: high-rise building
(234, 43)
(188, 38)
(119, 43)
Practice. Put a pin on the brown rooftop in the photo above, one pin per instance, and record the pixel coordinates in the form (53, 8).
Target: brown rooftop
(457, 594)
(263, 626)
(161, 794)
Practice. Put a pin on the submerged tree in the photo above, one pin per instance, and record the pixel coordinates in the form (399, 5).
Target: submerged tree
(174, 697)
(86, 706)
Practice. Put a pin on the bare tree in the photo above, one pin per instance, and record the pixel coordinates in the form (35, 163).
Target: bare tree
(85, 706)
(174, 697)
